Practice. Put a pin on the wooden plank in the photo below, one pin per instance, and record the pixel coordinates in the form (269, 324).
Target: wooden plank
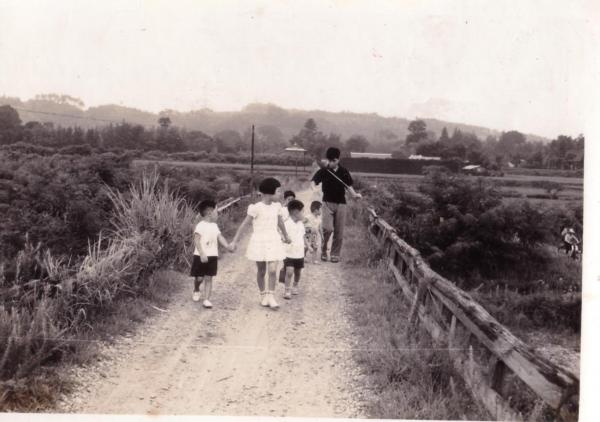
(436, 309)
(419, 295)
(227, 203)
(452, 333)
(547, 379)
(429, 323)
(497, 375)
(474, 378)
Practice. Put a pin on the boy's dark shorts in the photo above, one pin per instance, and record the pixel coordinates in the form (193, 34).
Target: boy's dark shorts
(296, 263)
(201, 269)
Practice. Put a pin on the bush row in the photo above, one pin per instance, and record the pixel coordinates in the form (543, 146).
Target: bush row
(282, 159)
(468, 234)
(38, 318)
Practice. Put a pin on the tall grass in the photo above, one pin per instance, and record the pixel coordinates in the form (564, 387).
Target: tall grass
(39, 324)
(412, 377)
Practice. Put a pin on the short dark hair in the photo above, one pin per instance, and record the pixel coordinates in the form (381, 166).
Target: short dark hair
(205, 205)
(289, 193)
(315, 205)
(295, 205)
(333, 153)
(268, 186)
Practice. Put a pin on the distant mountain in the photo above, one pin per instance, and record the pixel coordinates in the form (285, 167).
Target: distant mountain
(382, 132)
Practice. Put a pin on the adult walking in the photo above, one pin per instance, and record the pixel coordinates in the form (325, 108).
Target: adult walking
(334, 180)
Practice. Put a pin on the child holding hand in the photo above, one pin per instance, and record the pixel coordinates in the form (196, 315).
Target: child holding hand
(314, 231)
(266, 246)
(207, 236)
(294, 260)
(288, 196)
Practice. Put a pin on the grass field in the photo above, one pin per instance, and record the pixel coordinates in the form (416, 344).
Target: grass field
(512, 185)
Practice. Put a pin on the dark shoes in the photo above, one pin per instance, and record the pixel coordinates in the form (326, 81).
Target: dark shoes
(334, 259)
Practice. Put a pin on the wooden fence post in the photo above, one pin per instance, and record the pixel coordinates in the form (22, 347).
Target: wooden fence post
(497, 374)
(413, 316)
(452, 334)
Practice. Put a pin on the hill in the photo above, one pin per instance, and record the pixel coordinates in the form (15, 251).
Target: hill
(382, 132)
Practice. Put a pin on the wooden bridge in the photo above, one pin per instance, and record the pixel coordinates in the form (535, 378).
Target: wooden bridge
(493, 362)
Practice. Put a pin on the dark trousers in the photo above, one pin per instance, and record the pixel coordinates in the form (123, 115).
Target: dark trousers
(334, 218)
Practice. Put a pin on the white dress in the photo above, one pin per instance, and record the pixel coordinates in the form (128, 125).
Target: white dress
(265, 242)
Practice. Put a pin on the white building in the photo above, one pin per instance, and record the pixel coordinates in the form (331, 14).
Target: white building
(423, 157)
(370, 155)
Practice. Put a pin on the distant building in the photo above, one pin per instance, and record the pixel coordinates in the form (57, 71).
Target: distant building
(475, 169)
(423, 157)
(370, 155)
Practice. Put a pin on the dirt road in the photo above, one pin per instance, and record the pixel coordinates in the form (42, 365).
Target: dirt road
(236, 359)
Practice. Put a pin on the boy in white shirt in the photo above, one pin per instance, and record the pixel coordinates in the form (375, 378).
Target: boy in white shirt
(294, 251)
(288, 195)
(207, 236)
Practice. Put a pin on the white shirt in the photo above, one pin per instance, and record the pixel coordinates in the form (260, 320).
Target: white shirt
(209, 238)
(312, 223)
(285, 214)
(295, 231)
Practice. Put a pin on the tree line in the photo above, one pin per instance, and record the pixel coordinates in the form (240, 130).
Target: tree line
(510, 148)
(166, 137)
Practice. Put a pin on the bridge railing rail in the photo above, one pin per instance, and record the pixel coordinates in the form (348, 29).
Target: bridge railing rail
(485, 353)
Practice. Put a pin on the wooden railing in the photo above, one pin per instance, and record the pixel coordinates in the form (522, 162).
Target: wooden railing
(490, 359)
(226, 204)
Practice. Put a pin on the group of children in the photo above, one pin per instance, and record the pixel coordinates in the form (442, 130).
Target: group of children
(280, 233)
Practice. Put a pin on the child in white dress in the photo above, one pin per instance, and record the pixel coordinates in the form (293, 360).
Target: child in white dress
(265, 246)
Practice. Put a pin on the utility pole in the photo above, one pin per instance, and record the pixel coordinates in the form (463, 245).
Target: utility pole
(304, 162)
(252, 156)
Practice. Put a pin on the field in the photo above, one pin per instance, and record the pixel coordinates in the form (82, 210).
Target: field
(557, 197)
(515, 271)
(518, 186)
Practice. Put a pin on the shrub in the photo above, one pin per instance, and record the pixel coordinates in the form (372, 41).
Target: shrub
(151, 230)
(466, 232)
(59, 200)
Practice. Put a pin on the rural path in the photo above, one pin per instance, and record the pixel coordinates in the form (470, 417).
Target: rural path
(236, 359)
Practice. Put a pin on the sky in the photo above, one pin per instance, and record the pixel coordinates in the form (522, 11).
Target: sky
(501, 64)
